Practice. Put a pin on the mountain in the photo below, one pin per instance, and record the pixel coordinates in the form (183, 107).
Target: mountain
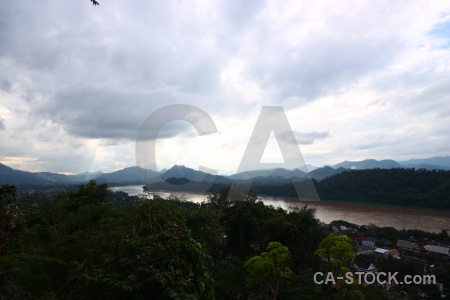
(86, 176)
(10, 176)
(61, 178)
(425, 166)
(368, 164)
(53, 177)
(322, 173)
(438, 163)
(131, 175)
(406, 187)
(136, 175)
(176, 178)
(178, 171)
(278, 172)
(311, 167)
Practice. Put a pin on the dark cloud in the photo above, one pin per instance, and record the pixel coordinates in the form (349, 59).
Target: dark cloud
(5, 85)
(97, 73)
(94, 113)
(431, 100)
(307, 138)
(434, 99)
(238, 13)
(367, 146)
(324, 62)
(111, 113)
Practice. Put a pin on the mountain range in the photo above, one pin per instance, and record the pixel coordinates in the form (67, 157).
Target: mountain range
(137, 175)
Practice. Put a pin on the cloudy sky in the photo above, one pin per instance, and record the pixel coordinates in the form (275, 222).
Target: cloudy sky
(356, 79)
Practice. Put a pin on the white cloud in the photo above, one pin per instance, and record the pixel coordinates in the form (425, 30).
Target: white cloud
(357, 79)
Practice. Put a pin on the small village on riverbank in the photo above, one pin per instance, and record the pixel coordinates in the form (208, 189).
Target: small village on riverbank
(411, 259)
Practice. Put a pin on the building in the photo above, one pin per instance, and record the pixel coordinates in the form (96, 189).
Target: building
(437, 249)
(407, 245)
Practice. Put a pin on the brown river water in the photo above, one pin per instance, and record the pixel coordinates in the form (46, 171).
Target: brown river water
(326, 211)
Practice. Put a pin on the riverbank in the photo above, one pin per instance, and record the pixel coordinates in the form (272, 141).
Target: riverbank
(357, 213)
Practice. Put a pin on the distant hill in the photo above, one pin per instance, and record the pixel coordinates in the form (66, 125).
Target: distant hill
(406, 187)
(86, 176)
(278, 172)
(322, 173)
(276, 177)
(425, 166)
(61, 178)
(311, 167)
(10, 176)
(433, 163)
(131, 175)
(368, 164)
(180, 171)
(20, 178)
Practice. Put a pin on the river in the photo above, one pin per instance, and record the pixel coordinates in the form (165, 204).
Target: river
(326, 211)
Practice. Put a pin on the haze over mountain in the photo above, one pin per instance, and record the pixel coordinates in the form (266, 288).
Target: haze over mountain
(368, 164)
(131, 175)
(184, 172)
(278, 172)
(137, 175)
(325, 172)
(437, 163)
(441, 162)
(17, 177)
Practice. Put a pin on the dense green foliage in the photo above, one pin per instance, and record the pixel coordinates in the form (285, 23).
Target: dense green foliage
(268, 269)
(391, 234)
(96, 244)
(404, 187)
(336, 253)
(80, 245)
(407, 187)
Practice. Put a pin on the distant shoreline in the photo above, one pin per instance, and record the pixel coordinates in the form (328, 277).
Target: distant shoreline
(312, 202)
(382, 215)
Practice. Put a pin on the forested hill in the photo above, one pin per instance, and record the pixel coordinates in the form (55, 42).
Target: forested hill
(407, 187)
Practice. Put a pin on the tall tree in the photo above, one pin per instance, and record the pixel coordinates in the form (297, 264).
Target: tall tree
(336, 253)
(268, 269)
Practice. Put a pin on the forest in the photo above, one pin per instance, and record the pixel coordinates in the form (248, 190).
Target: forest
(405, 187)
(402, 187)
(396, 186)
(96, 244)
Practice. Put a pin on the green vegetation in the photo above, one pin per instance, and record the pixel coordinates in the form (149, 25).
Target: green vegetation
(96, 244)
(391, 234)
(268, 269)
(406, 187)
(336, 254)
(402, 187)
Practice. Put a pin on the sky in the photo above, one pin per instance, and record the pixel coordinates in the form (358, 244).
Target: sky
(356, 80)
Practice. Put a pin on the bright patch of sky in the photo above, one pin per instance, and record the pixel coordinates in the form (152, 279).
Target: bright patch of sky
(442, 32)
(357, 79)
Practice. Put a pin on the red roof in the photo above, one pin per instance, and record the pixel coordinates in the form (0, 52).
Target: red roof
(359, 238)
